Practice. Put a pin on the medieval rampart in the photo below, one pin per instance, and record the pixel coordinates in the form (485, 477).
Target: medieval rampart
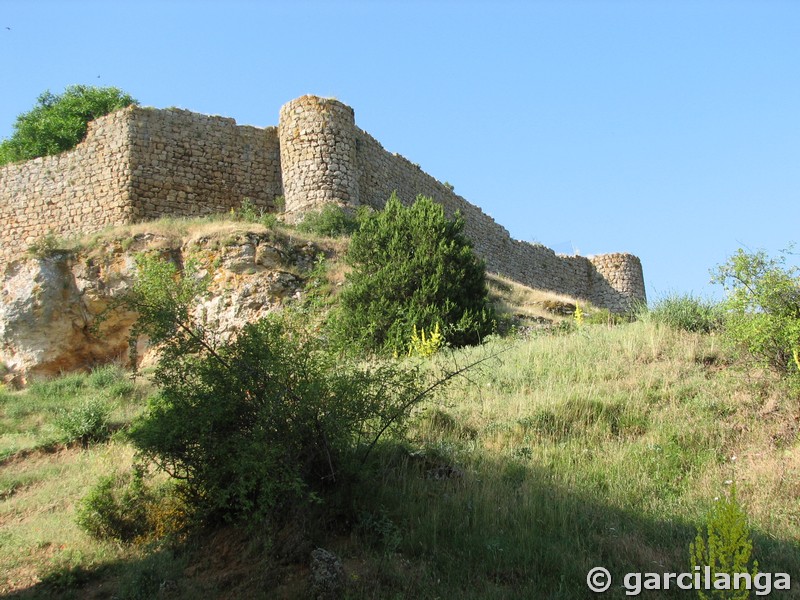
(140, 164)
(326, 158)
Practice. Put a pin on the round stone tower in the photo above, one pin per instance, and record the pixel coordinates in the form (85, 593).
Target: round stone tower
(318, 155)
(619, 283)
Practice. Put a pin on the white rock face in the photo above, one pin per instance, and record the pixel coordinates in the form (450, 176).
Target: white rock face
(57, 314)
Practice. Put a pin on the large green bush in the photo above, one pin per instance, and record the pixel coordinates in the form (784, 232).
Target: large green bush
(763, 307)
(266, 422)
(413, 267)
(58, 122)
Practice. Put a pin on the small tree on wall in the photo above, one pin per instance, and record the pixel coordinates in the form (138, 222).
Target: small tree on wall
(413, 268)
(59, 122)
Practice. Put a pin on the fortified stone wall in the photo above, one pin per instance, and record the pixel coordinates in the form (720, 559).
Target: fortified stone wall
(187, 164)
(318, 154)
(613, 281)
(327, 159)
(141, 164)
(138, 164)
(83, 190)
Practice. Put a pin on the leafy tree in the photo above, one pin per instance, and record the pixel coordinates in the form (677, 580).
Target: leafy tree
(413, 267)
(763, 307)
(266, 422)
(58, 122)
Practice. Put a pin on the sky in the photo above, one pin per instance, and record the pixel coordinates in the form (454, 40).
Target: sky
(667, 129)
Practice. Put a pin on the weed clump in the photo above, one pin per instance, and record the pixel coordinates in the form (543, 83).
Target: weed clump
(726, 546)
(86, 423)
(330, 221)
(685, 312)
(126, 508)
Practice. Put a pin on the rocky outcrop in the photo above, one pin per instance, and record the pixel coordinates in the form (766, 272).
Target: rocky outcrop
(58, 312)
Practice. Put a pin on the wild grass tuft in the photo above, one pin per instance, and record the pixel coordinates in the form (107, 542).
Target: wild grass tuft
(686, 312)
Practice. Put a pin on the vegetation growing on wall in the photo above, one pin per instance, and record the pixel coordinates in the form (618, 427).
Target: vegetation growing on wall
(58, 122)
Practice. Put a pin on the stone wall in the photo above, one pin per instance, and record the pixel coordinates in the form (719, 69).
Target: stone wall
(187, 164)
(327, 159)
(614, 281)
(140, 164)
(82, 190)
(318, 154)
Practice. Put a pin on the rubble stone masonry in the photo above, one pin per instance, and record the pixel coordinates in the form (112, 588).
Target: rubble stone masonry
(140, 164)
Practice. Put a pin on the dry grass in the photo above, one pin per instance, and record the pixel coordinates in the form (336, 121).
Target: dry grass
(529, 304)
(606, 442)
(174, 232)
(39, 534)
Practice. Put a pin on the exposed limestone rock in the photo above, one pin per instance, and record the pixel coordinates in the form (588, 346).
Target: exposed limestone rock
(58, 313)
(45, 323)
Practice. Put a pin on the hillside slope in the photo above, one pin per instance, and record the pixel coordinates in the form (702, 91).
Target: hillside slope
(604, 446)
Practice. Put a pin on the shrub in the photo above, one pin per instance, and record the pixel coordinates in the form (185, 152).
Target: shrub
(46, 246)
(725, 546)
(379, 531)
(603, 316)
(262, 424)
(59, 122)
(87, 422)
(125, 508)
(149, 577)
(686, 312)
(112, 380)
(114, 509)
(60, 387)
(411, 266)
(331, 221)
(762, 307)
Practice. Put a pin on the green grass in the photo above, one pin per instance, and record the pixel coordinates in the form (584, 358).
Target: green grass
(603, 447)
(29, 419)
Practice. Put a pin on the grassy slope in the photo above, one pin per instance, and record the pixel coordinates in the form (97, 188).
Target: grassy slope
(602, 447)
(605, 446)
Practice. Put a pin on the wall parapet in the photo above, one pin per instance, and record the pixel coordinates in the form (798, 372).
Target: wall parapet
(140, 164)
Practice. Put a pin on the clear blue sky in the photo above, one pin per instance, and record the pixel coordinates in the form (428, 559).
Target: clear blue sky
(667, 129)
